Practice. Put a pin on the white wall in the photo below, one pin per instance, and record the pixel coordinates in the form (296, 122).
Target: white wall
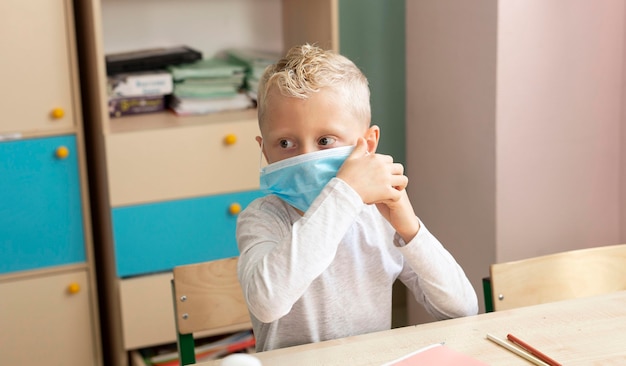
(451, 101)
(253, 24)
(515, 126)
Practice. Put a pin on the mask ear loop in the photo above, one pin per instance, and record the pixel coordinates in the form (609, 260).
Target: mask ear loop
(261, 158)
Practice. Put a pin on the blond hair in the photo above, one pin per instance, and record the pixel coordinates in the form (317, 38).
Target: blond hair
(307, 69)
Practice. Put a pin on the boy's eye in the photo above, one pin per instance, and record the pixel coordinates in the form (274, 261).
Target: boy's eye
(285, 144)
(324, 141)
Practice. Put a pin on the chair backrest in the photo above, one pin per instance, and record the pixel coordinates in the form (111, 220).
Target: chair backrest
(560, 276)
(207, 300)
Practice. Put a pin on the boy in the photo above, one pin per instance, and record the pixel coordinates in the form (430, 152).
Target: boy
(320, 253)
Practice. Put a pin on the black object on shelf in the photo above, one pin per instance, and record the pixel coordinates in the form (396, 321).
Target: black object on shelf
(150, 59)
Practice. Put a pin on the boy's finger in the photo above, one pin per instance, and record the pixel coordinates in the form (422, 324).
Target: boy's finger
(397, 169)
(399, 182)
(361, 148)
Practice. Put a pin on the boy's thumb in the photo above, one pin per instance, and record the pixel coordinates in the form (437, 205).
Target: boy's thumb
(361, 147)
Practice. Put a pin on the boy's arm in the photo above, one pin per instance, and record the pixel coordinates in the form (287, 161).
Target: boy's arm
(437, 281)
(278, 261)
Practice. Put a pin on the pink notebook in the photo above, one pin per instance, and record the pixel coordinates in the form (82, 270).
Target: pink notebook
(436, 354)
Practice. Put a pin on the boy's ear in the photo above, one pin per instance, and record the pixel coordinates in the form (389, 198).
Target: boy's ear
(259, 139)
(371, 137)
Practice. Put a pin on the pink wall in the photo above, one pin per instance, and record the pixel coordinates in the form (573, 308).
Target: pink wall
(515, 137)
(559, 97)
(623, 144)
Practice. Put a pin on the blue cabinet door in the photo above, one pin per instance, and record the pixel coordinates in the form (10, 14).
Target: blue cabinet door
(41, 218)
(157, 237)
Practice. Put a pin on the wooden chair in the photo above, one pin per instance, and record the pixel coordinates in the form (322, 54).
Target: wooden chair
(208, 300)
(554, 277)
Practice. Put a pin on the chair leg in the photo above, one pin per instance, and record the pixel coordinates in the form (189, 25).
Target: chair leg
(186, 349)
(184, 342)
(488, 295)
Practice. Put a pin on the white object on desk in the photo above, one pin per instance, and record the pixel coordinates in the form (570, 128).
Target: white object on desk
(240, 359)
(516, 350)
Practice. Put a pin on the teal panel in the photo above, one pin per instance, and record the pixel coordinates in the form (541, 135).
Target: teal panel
(41, 220)
(372, 34)
(159, 236)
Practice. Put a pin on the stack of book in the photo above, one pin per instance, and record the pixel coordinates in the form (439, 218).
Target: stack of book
(208, 86)
(255, 63)
(210, 350)
(138, 81)
(138, 92)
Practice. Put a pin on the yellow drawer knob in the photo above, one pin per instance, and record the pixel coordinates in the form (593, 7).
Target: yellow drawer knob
(234, 208)
(58, 113)
(73, 288)
(62, 152)
(230, 139)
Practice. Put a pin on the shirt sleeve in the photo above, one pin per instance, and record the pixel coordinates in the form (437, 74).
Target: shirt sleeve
(279, 260)
(437, 281)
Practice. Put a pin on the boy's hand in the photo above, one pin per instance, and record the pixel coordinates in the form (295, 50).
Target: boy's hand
(401, 216)
(375, 177)
(378, 180)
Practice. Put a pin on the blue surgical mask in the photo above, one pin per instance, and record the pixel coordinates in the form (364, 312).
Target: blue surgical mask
(300, 179)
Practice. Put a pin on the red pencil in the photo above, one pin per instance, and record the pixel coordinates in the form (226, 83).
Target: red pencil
(540, 355)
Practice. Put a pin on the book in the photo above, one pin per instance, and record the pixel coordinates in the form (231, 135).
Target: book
(436, 354)
(124, 106)
(150, 59)
(235, 81)
(195, 106)
(206, 68)
(204, 91)
(255, 62)
(208, 87)
(140, 84)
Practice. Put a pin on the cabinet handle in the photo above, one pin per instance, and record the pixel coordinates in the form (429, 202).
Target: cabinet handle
(57, 113)
(230, 139)
(234, 208)
(62, 152)
(73, 288)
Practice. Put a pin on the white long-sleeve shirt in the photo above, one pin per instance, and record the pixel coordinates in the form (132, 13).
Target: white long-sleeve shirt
(329, 274)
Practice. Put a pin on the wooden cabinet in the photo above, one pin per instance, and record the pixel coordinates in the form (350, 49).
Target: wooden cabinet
(174, 189)
(41, 211)
(156, 237)
(48, 301)
(168, 188)
(36, 67)
(168, 193)
(47, 320)
(217, 156)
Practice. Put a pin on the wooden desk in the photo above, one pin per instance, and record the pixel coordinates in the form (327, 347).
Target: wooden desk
(587, 331)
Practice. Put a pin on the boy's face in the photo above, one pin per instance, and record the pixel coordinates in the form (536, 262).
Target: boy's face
(294, 126)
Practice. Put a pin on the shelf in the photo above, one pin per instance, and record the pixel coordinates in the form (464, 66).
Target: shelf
(168, 119)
